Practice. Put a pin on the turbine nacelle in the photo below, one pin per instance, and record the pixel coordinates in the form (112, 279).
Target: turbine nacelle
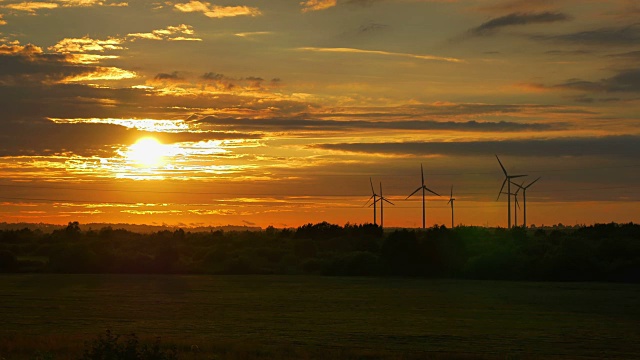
(423, 188)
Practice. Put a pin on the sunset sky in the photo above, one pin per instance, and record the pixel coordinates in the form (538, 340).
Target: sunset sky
(247, 112)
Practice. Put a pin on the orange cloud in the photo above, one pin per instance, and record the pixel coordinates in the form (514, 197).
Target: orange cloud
(184, 33)
(315, 5)
(102, 73)
(215, 11)
(379, 52)
(89, 58)
(89, 3)
(252, 33)
(85, 44)
(28, 50)
(31, 7)
(2, 21)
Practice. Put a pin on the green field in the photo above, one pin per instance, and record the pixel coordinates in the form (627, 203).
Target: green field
(299, 316)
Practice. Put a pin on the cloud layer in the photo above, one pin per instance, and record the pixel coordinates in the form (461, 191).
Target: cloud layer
(517, 19)
(216, 11)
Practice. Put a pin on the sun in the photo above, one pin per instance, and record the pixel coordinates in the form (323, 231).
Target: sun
(146, 152)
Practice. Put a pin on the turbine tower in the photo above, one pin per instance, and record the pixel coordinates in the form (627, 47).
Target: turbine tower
(524, 199)
(507, 180)
(516, 207)
(382, 199)
(451, 200)
(423, 188)
(374, 197)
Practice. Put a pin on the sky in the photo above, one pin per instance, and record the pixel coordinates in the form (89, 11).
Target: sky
(282, 113)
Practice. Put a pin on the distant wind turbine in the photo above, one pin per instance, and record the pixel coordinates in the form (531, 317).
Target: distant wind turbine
(516, 205)
(524, 198)
(423, 188)
(382, 199)
(374, 197)
(507, 180)
(451, 200)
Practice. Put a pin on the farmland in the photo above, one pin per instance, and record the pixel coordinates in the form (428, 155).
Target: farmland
(306, 316)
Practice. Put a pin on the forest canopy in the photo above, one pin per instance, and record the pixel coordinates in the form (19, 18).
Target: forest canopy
(601, 252)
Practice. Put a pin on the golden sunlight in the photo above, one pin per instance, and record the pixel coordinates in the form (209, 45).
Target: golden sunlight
(147, 152)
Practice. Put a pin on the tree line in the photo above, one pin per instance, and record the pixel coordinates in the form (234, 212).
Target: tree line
(600, 252)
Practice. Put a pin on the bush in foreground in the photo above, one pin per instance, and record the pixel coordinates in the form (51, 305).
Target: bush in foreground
(109, 347)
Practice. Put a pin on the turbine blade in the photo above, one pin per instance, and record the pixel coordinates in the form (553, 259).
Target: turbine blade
(388, 201)
(516, 184)
(422, 174)
(533, 182)
(501, 188)
(431, 191)
(380, 188)
(374, 202)
(371, 182)
(371, 197)
(503, 169)
(418, 189)
(451, 196)
(515, 176)
(448, 201)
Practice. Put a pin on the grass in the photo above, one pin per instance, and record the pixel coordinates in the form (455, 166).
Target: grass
(298, 317)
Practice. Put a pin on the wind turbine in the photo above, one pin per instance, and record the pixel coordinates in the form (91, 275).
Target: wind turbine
(516, 206)
(524, 198)
(423, 188)
(451, 200)
(373, 196)
(507, 180)
(382, 199)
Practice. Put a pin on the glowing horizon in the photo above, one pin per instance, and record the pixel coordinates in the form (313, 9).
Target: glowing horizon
(278, 114)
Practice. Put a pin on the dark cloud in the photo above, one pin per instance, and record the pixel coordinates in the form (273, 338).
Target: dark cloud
(254, 82)
(462, 109)
(168, 76)
(28, 101)
(515, 19)
(623, 81)
(372, 27)
(624, 146)
(479, 109)
(361, 2)
(590, 100)
(622, 35)
(229, 83)
(338, 125)
(213, 76)
(44, 137)
(568, 52)
(28, 64)
(634, 55)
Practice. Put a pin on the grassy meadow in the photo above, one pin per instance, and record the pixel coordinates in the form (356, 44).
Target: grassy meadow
(246, 317)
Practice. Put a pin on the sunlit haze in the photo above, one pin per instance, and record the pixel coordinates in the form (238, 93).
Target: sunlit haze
(258, 113)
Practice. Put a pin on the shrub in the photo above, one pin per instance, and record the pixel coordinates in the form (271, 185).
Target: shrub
(109, 347)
